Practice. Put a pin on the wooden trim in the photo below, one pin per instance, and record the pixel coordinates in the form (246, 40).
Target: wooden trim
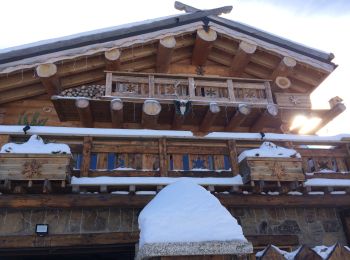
(231, 144)
(139, 201)
(163, 158)
(84, 171)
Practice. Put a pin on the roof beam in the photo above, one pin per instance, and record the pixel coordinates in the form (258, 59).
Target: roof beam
(166, 48)
(242, 58)
(48, 77)
(210, 116)
(117, 112)
(283, 69)
(84, 110)
(238, 118)
(264, 119)
(112, 57)
(202, 46)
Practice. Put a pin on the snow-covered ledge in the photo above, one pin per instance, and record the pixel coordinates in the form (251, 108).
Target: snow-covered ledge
(185, 219)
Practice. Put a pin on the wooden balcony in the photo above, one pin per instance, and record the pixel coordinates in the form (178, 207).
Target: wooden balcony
(135, 156)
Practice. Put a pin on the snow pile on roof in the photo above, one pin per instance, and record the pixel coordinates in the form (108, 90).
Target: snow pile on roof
(35, 144)
(321, 182)
(268, 149)
(104, 180)
(182, 218)
(323, 251)
(287, 255)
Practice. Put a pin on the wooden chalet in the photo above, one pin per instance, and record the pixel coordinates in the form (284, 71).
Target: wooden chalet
(143, 104)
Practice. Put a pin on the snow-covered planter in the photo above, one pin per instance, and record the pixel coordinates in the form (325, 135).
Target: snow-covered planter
(184, 219)
(270, 163)
(35, 160)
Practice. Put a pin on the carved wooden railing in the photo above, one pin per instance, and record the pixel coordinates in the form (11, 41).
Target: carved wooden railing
(196, 88)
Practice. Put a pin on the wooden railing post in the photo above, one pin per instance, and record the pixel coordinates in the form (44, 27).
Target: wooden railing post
(85, 166)
(108, 91)
(268, 93)
(4, 139)
(191, 87)
(163, 158)
(151, 86)
(233, 156)
(231, 93)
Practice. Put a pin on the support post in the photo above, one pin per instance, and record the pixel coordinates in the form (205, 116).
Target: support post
(117, 112)
(202, 47)
(242, 58)
(166, 48)
(163, 158)
(209, 118)
(112, 57)
(233, 156)
(85, 166)
(84, 110)
(150, 113)
(48, 77)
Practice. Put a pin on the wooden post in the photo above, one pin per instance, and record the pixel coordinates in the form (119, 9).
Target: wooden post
(108, 84)
(268, 92)
(151, 86)
(112, 57)
(150, 113)
(242, 58)
(238, 118)
(203, 44)
(231, 92)
(84, 110)
(191, 87)
(4, 139)
(163, 158)
(48, 77)
(117, 112)
(166, 48)
(85, 166)
(231, 144)
(209, 118)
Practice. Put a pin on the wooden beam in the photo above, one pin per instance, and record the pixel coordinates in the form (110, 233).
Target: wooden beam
(238, 118)
(330, 115)
(4, 139)
(113, 200)
(112, 57)
(150, 113)
(202, 47)
(117, 112)
(48, 76)
(178, 120)
(265, 118)
(68, 240)
(282, 82)
(242, 58)
(84, 110)
(283, 69)
(163, 158)
(210, 116)
(166, 48)
(85, 166)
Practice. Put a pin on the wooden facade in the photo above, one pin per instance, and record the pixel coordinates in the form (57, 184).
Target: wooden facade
(113, 102)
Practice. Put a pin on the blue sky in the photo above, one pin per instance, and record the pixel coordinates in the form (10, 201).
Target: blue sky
(323, 24)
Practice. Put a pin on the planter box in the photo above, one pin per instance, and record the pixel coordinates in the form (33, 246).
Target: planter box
(15, 166)
(271, 169)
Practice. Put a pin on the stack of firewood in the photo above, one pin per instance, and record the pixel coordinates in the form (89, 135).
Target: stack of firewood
(91, 91)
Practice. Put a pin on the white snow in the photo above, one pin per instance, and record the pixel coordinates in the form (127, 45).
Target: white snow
(186, 212)
(323, 251)
(36, 145)
(316, 193)
(268, 149)
(104, 180)
(287, 255)
(338, 192)
(120, 192)
(295, 193)
(107, 132)
(145, 192)
(326, 171)
(273, 193)
(323, 182)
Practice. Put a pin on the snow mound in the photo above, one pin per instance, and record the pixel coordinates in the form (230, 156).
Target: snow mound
(186, 212)
(286, 255)
(36, 145)
(268, 149)
(325, 182)
(323, 251)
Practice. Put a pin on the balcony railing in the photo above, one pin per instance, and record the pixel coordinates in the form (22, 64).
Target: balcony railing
(196, 88)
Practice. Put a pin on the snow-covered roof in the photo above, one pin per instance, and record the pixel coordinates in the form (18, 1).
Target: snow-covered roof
(268, 149)
(184, 213)
(36, 145)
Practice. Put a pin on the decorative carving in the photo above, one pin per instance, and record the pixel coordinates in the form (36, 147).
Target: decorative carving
(294, 100)
(198, 163)
(211, 92)
(31, 119)
(278, 170)
(200, 70)
(32, 169)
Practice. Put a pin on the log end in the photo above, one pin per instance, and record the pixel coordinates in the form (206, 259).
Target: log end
(46, 70)
(283, 82)
(208, 36)
(82, 103)
(151, 107)
(112, 54)
(168, 42)
(248, 47)
(116, 104)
